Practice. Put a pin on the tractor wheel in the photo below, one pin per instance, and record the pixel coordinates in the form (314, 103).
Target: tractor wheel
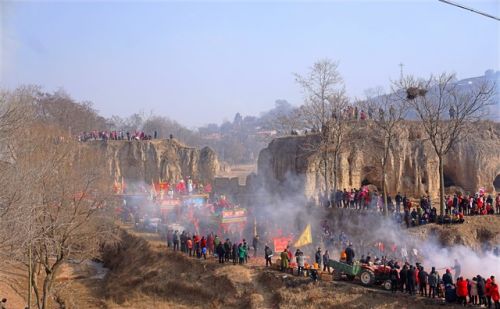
(367, 277)
(337, 275)
(387, 285)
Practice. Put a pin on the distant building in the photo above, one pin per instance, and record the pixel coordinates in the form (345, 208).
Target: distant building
(490, 76)
(267, 133)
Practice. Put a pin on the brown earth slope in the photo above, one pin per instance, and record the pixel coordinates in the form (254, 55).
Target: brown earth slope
(145, 274)
(475, 232)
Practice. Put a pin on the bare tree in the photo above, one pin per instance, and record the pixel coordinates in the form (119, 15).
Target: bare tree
(384, 126)
(326, 110)
(15, 109)
(446, 111)
(54, 201)
(322, 82)
(287, 122)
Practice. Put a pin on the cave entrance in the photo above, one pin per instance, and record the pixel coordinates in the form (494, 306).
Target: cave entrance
(496, 183)
(365, 182)
(448, 181)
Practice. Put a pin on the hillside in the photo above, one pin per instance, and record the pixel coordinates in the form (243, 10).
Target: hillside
(475, 233)
(145, 274)
(164, 279)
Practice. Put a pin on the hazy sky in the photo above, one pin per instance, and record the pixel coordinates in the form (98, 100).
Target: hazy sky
(201, 62)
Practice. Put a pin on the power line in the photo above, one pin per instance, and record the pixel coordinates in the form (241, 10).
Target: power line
(469, 9)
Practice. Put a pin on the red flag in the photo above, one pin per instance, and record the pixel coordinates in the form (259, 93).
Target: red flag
(280, 243)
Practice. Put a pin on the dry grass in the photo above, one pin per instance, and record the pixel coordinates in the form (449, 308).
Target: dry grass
(475, 232)
(144, 274)
(161, 278)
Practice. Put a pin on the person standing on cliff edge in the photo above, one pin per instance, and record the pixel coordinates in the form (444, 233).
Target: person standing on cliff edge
(497, 204)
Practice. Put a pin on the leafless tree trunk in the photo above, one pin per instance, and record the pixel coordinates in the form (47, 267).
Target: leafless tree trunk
(391, 112)
(322, 112)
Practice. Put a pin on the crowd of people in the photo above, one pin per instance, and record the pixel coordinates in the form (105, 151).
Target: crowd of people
(414, 213)
(414, 279)
(200, 246)
(410, 278)
(477, 204)
(401, 260)
(353, 113)
(406, 276)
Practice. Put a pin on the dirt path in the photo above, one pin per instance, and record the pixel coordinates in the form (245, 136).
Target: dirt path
(266, 299)
(13, 285)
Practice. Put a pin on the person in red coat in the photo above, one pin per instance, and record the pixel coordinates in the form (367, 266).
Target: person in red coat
(462, 291)
(210, 243)
(495, 296)
(488, 290)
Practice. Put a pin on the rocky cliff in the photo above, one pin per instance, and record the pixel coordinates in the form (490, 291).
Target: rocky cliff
(144, 161)
(287, 165)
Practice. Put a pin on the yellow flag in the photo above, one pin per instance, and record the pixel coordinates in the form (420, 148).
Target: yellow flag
(305, 238)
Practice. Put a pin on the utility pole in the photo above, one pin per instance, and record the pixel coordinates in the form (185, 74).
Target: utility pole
(401, 65)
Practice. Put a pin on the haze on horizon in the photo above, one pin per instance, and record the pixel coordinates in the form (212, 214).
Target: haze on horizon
(202, 62)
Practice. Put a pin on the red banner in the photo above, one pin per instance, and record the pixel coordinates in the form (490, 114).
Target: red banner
(232, 216)
(280, 243)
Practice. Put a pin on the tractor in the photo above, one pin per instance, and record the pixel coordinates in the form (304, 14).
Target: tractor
(367, 274)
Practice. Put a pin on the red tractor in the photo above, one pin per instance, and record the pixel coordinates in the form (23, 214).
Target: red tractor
(368, 274)
(376, 274)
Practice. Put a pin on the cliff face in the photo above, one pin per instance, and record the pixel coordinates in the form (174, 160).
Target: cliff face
(287, 165)
(144, 161)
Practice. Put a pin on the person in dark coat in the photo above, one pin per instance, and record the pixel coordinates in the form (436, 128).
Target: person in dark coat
(433, 280)
(399, 199)
(410, 280)
(349, 252)
(234, 254)
(317, 257)
(227, 250)
(268, 253)
(481, 290)
(447, 278)
(422, 281)
(402, 278)
(220, 253)
(394, 279)
(326, 259)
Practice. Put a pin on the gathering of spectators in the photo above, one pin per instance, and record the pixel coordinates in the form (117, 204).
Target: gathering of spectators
(200, 246)
(116, 136)
(416, 212)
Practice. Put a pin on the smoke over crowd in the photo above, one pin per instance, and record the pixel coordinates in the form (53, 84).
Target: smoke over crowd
(372, 234)
(273, 215)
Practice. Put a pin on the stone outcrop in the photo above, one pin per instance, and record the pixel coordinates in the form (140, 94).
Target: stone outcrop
(287, 164)
(145, 161)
